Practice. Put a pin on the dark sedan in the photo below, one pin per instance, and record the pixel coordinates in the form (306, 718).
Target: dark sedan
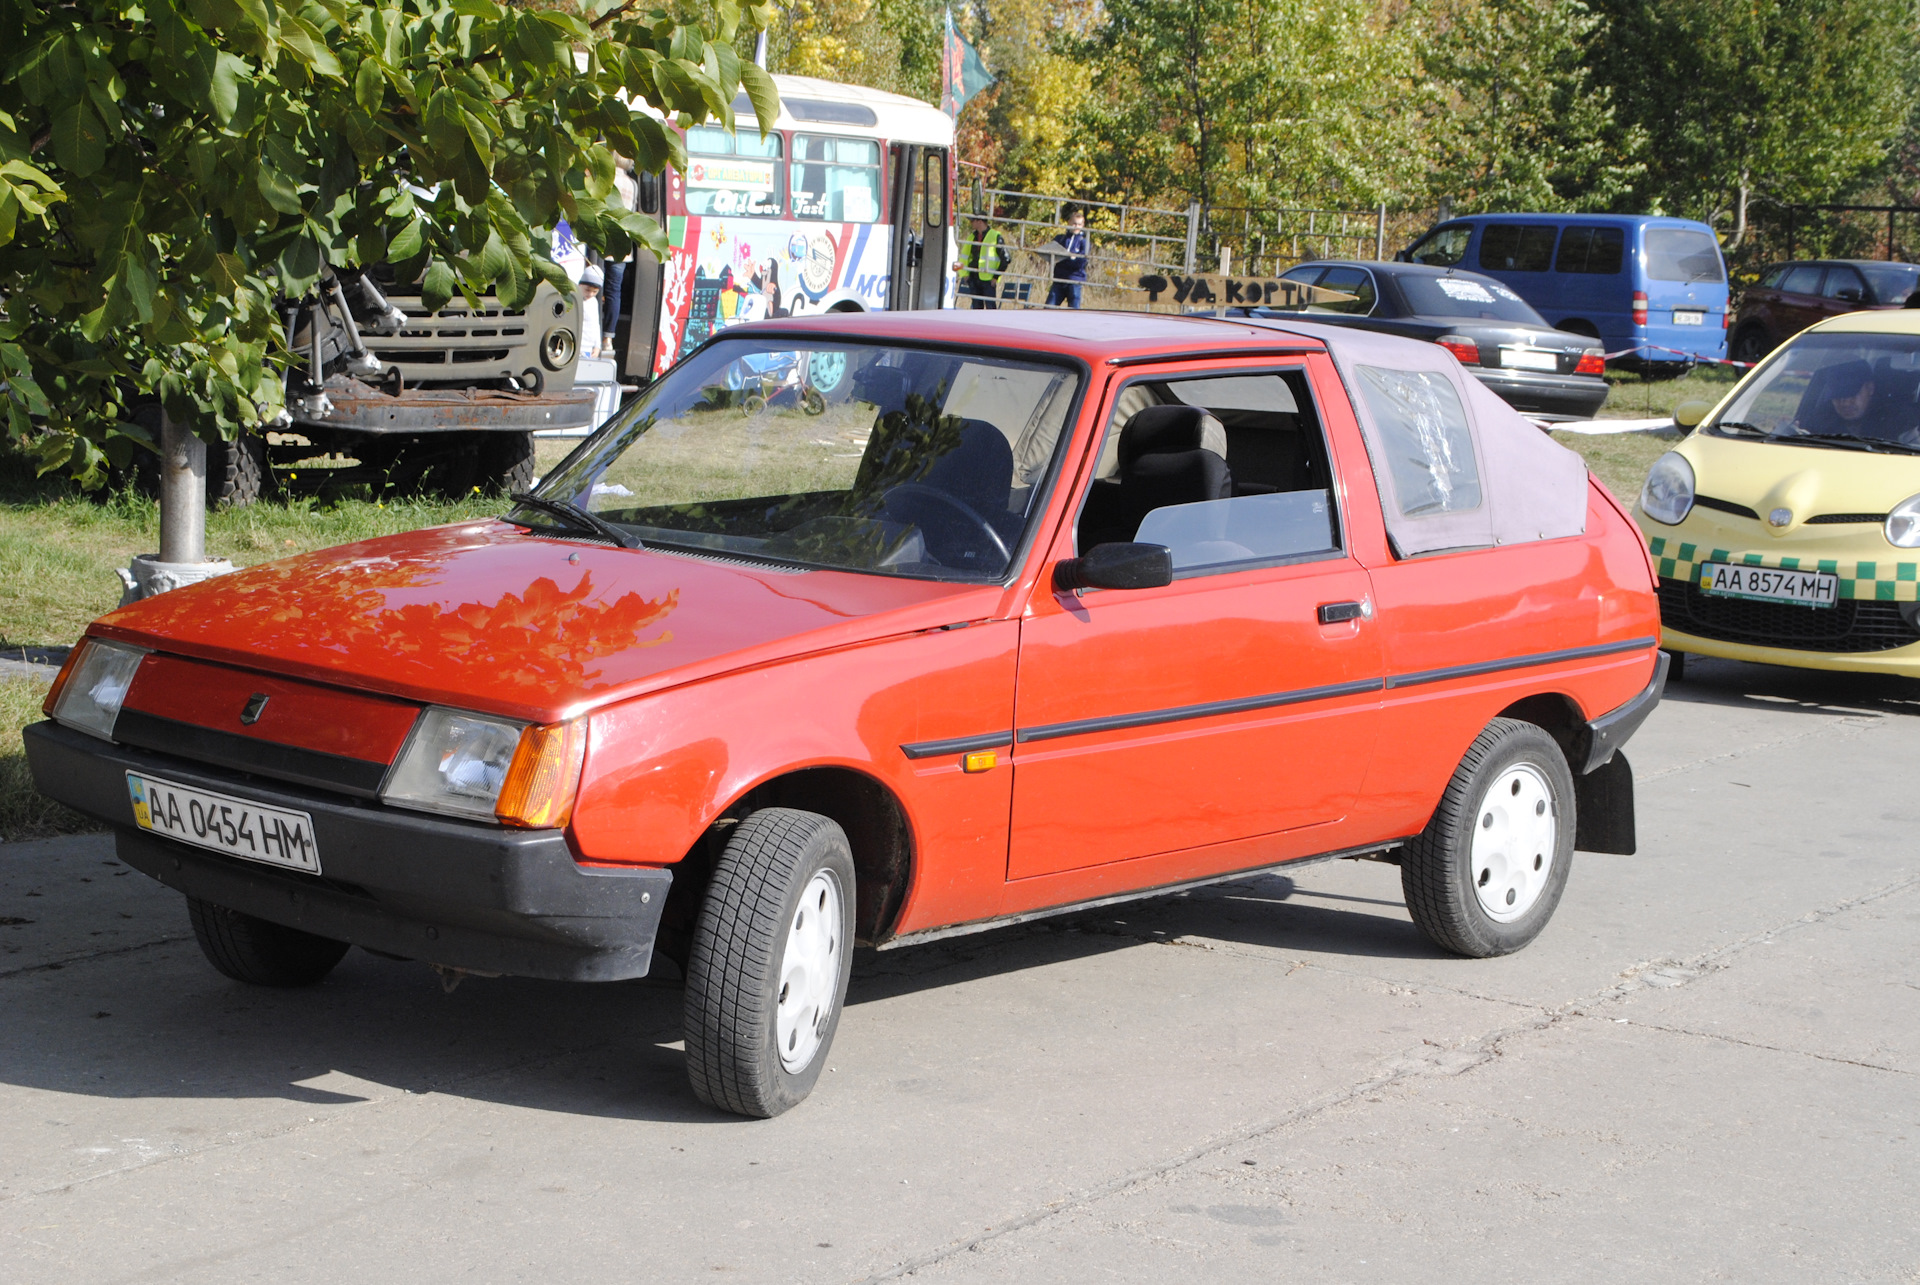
(1539, 371)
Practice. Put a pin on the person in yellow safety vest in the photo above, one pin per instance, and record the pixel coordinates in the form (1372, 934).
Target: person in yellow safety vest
(982, 261)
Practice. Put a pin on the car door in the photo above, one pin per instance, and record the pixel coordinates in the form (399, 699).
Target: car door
(1844, 290)
(1798, 302)
(1239, 700)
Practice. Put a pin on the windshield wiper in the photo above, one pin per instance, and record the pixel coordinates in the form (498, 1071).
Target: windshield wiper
(1867, 443)
(580, 520)
(1737, 426)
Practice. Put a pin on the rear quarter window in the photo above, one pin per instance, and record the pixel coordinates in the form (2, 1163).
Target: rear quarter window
(1429, 447)
(1681, 254)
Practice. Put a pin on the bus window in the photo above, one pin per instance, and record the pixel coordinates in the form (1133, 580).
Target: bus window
(732, 173)
(836, 179)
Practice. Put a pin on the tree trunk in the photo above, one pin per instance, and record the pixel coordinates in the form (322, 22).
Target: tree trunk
(183, 493)
(1739, 214)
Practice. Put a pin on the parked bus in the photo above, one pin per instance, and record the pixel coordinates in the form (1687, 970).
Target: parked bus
(845, 206)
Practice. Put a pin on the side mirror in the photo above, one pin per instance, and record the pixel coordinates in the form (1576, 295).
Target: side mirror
(1116, 566)
(1689, 414)
(1402, 257)
(1849, 294)
(649, 183)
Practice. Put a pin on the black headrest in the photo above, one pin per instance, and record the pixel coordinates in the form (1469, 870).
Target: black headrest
(979, 470)
(1161, 430)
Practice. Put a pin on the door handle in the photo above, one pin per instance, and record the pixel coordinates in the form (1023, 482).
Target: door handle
(1332, 613)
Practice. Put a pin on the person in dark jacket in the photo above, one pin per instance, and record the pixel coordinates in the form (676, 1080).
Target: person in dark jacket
(1069, 251)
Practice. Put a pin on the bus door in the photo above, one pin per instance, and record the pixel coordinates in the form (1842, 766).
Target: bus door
(919, 216)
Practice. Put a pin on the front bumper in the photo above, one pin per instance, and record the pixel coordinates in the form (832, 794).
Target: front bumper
(455, 893)
(1560, 396)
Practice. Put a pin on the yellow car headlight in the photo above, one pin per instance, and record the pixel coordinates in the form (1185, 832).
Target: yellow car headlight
(1903, 524)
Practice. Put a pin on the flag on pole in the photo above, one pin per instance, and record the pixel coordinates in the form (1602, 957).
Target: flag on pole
(962, 74)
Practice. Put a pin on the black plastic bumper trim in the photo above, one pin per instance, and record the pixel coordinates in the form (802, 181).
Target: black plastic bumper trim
(463, 894)
(360, 777)
(1606, 734)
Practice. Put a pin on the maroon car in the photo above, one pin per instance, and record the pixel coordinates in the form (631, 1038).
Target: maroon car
(1792, 296)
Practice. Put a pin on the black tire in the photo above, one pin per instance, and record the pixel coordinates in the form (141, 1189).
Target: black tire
(736, 972)
(490, 463)
(1749, 344)
(1437, 871)
(238, 472)
(259, 952)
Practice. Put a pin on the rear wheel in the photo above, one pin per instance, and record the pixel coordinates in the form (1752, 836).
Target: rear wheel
(259, 952)
(1750, 344)
(1485, 875)
(768, 971)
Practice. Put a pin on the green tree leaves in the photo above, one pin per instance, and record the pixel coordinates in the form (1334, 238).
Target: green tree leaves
(170, 168)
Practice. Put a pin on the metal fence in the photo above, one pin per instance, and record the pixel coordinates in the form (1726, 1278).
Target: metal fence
(1129, 241)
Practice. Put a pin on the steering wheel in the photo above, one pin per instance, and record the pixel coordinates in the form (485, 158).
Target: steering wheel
(919, 490)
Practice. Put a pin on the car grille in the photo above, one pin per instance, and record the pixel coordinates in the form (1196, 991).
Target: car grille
(1849, 625)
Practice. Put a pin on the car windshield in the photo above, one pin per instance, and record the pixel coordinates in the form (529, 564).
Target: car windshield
(1852, 391)
(1891, 282)
(1462, 296)
(866, 457)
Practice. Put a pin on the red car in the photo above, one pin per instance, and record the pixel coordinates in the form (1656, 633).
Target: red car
(1789, 297)
(878, 629)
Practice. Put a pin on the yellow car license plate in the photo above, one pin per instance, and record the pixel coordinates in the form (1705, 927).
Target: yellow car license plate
(1770, 584)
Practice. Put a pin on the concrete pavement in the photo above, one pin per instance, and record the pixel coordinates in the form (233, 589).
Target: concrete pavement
(1707, 1068)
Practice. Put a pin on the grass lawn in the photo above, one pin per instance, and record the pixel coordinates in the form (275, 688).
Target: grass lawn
(1631, 397)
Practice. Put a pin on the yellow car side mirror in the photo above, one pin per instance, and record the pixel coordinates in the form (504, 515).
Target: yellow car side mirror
(1689, 414)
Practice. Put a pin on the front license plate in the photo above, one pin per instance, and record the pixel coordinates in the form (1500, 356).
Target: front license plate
(1529, 359)
(237, 827)
(1769, 584)
(1689, 317)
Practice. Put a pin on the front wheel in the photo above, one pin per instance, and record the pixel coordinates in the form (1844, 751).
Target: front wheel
(1485, 875)
(768, 971)
(258, 951)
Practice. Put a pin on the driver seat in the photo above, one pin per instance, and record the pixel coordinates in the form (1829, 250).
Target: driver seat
(977, 472)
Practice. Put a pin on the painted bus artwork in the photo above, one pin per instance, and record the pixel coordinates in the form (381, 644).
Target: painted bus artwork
(845, 206)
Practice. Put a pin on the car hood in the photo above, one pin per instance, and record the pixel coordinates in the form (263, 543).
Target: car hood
(488, 617)
(1807, 480)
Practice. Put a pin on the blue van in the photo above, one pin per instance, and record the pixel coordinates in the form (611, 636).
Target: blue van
(1653, 289)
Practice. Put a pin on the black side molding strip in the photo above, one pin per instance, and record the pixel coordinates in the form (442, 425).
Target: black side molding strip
(958, 745)
(245, 754)
(1520, 662)
(1180, 713)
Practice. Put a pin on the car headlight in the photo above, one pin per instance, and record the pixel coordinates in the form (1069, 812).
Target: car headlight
(91, 692)
(1903, 524)
(1668, 495)
(476, 765)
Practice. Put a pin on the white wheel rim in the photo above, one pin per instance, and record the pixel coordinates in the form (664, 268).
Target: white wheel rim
(1515, 832)
(809, 972)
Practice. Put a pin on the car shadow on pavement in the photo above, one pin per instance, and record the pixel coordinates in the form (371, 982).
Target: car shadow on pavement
(155, 1021)
(1738, 683)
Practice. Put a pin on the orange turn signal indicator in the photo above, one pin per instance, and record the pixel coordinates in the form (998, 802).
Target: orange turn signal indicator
(980, 761)
(544, 776)
(60, 679)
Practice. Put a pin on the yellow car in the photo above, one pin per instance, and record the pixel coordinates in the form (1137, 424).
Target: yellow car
(1786, 527)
